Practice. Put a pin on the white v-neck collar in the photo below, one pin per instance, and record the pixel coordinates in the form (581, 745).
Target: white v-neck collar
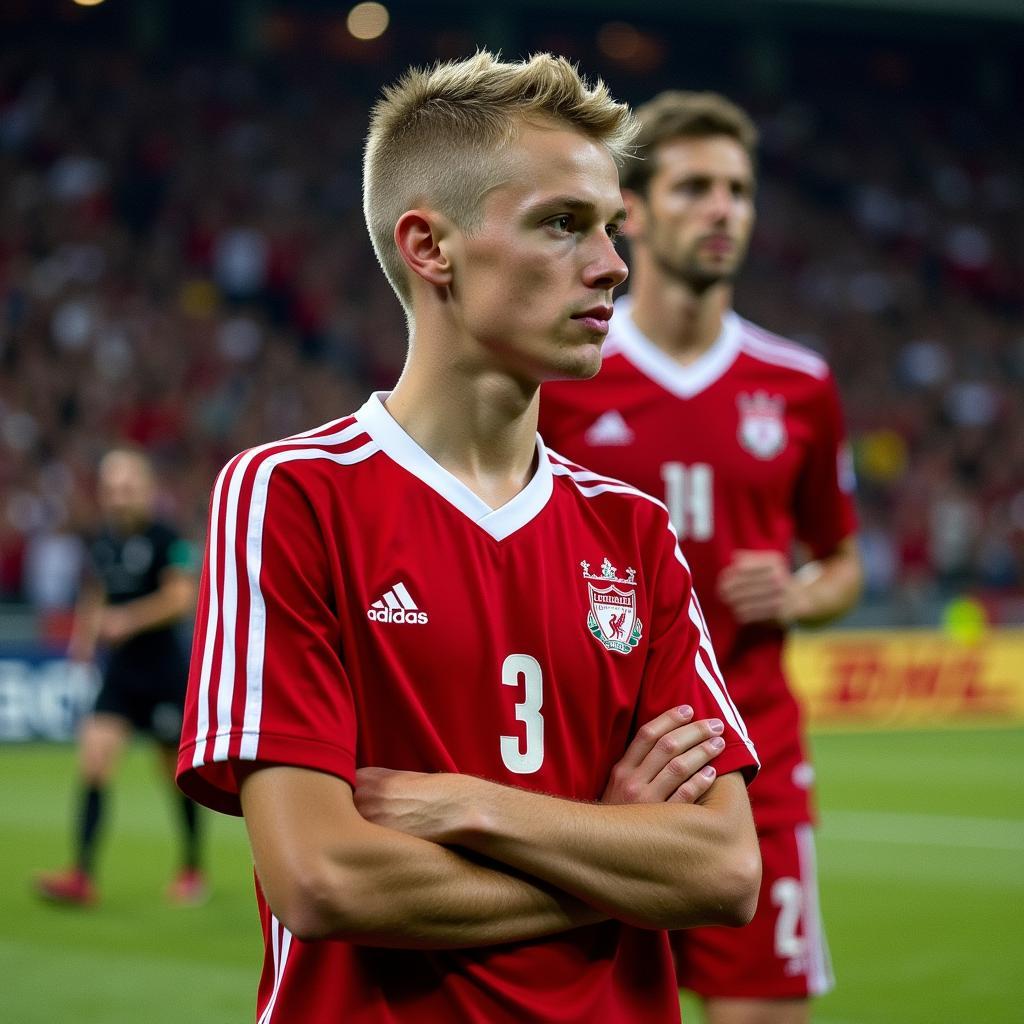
(682, 381)
(401, 448)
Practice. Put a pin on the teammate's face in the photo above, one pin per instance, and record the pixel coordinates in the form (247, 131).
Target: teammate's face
(125, 488)
(533, 282)
(698, 213)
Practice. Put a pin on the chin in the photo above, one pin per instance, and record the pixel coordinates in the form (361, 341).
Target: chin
(702, 280)
(581, 363)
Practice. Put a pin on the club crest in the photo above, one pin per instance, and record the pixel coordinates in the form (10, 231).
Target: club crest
(612, 617)
(762, 429)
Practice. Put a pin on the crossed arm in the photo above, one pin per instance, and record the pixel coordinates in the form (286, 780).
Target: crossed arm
(670, 846)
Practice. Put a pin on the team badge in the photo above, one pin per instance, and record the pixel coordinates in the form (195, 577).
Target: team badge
(762, 429)
(612, 616)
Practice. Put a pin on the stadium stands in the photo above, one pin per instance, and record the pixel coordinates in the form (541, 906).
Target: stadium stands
(183, 263)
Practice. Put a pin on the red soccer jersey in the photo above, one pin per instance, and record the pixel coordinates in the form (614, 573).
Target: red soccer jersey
(747, 447)
(360, 606)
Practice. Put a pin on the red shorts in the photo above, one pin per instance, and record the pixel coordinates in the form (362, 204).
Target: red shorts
(782, 953)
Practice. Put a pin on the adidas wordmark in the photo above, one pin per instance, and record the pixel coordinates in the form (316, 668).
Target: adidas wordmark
(398, 606)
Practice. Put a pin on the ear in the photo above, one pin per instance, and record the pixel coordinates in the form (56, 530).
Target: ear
(636, 214)
(418, 235)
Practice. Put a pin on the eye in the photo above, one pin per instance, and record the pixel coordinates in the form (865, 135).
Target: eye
(563, 222)
(614, 232)
(692, 187)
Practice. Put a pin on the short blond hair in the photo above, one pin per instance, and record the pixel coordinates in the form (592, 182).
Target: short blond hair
(436, 135)
(676, 114)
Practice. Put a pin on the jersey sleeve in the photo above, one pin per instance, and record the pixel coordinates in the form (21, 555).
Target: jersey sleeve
(182, 555)
(681, 664)
(172, 551)
(267, 683)
(824, 507)
(161, 537)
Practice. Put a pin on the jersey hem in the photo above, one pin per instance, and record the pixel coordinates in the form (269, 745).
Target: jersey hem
(214, 785)
(736, 757)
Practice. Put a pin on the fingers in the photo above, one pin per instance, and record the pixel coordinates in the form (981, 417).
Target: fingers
(736, 583)
(689, 776)
(747, 558)
(695, 787)
(669, 763)
(754, 585)
(649, 734)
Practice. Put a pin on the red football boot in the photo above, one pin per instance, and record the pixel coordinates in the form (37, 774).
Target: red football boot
(189, 888)
(71, 886)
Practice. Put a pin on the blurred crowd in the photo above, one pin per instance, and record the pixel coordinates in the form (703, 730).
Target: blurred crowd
(183, 264)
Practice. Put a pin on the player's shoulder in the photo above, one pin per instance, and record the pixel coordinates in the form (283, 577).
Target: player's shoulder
(337, 443)
(781, 355)
(618, 498)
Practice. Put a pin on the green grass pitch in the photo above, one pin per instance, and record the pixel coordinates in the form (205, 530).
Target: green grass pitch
(921, 857)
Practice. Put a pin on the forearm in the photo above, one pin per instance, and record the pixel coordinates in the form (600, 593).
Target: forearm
(374, 886)
(826, 589)
(85, 627)
(410, 893)
(165, 606)
(662, 865)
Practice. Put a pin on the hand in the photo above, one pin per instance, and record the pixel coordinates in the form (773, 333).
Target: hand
(667, 762)
(758, 586)
(429, 806)
(80, 649)
(116, 626)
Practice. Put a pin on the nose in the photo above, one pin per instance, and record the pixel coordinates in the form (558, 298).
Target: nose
(607, 269)
(720, 201)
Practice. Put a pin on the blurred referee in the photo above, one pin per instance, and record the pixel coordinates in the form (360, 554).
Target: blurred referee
(139, 589)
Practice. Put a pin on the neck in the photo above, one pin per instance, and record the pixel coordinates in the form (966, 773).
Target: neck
(478, 423)
(682, 322)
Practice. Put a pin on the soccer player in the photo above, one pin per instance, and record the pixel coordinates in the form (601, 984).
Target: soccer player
(139, 590)
(741, 433)
(459, 687)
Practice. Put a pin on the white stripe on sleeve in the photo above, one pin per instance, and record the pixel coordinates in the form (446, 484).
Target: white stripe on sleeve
(203, 703)
(223, 611)
(254, 563)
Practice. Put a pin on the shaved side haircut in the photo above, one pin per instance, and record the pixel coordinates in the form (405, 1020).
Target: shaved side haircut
(438, 138)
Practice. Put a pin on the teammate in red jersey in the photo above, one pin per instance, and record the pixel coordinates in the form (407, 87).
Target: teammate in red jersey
(406, 675)
(741, 433)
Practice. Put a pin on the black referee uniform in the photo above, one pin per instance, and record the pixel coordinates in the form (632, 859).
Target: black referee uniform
(145, 677)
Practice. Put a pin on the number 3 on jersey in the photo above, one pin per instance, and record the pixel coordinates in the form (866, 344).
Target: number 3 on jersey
(688, 495)
(524, 755)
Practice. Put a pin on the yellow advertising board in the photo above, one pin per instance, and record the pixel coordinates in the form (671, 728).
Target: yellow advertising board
(908, 677)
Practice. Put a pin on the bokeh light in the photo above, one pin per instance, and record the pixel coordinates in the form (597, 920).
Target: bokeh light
(633, 50)
(368, 20)
(618, 40)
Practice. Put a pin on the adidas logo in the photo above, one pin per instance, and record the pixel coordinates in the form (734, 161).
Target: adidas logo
(397, 605)
(609, 429)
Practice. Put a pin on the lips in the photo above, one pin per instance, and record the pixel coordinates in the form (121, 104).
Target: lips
(718, 244)
(595, 313)
(596, 318)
